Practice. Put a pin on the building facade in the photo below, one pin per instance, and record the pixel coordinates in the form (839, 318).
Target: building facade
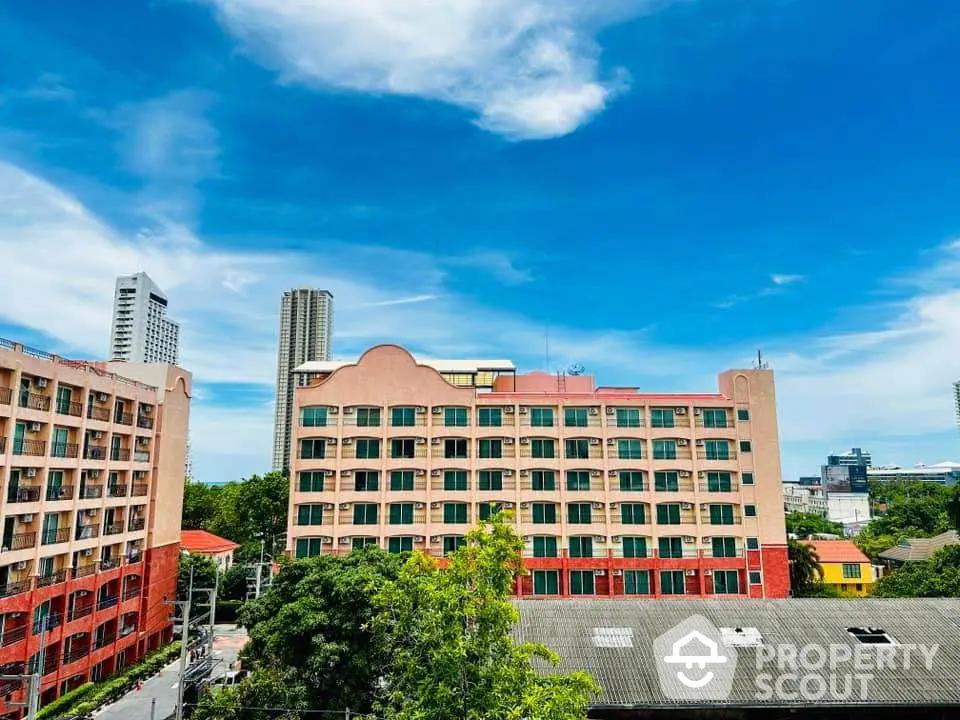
(616, 492)
(945, 473)
(141, 331)
(91, 464)
(306, 322)
(845, 567)
(956, 400)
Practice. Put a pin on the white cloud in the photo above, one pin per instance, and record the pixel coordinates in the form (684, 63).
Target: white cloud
(778, 279)
(527, 68)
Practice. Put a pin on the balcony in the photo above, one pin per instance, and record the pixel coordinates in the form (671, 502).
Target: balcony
(23, 494)
(98, 413)
(32, 401)
(145, 422)
(107, 602)
(139, 489)
(53, 578)
(49, 622)
(136, 524)
(91, 492)
(13, 636)
(127, 629)
(23, 541)
(141, 456)
(76, 654)
(15, 588)
(103, 640)
(64, 450)
(122, 418)
(117, 490)
(114, 529)
(59, 492)
(6, 394)
(131, 594)
(110, 563)
(95, 452)
(713, 487)
(120, 454)
(52, 536)
(717, 456)
(73, 409)
(85, 532)
(25, 446)
(85, 570)
(79, 613)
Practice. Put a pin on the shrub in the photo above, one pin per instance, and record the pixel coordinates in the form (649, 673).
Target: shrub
(227, 610)
(65, 701)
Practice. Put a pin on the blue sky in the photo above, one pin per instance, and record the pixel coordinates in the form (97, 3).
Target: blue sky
(663, 187)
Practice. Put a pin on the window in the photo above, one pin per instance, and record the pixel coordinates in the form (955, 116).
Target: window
(401, 480)
(313, 448)
(543, 480)
(544, 546)
(575, 417)
(312, 481)
(544, 513)
(745, 446)
(672, 582)
(661, 418)
(310, 515)
(726, 582)
(455, 448)
(871, 636)
(541, 417)
(313, 417)
(308, 547)
(366, 480)
(402, 447)
(628, 417)
(581, 582)
(753, 543)
(664, 449)
(721, 514)
(724, 547)
(403, 416)
(851, 570)
(631, 480)
(668, 514)
(367, 448)
(581, 546)
(755, 577)
(455, 513)
(578, 513)
(716, 450)
(358, 543)
(455, 417)
(546, 582)
(542, 448)
(666, 481)
(488, 510)
(401, 514)
(750, 510)
(400, 544)
(714, 418)
(576, 449)
(630, 449)
(633, 514)
(636, 582)
(719, 482)
(491, 448)
(452, 543)
(578, 480)
(747, 478)
(670, 547)
(743, 414)
(454, 479)
(368, 417)
(365, 514)
(634, 547)
(490, 417)
(490, 480)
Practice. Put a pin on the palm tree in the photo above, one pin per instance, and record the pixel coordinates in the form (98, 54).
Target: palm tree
(805, 569)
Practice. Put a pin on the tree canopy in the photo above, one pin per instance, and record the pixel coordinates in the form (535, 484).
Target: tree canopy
(805, 569)
(937, 577)
(803, 525)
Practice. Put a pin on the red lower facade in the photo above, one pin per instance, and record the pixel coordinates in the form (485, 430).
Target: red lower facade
(96, 624)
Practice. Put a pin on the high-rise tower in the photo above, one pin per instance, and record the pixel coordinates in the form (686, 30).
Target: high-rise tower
(141, 331)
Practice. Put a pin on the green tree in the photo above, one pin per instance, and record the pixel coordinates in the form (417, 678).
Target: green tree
(200, 503)
(937, 577)
(262, 689)
(204, 574)
(953, 508)
(910, 508)
(262, 506)
(233, 583)
(805, 569)
(803, 525)
(448, 631)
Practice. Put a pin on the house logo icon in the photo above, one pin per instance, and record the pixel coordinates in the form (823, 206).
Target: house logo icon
(692, 662)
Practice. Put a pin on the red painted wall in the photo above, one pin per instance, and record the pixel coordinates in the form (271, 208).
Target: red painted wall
(776, 571)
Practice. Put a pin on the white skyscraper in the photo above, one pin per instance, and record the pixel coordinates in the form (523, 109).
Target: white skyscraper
(306, 321)
(141, 331)
(956, 399)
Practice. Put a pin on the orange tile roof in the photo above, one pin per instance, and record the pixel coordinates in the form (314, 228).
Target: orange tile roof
(837, 551)
(200, 541)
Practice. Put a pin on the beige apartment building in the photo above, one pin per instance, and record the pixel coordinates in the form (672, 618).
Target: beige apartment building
(616, 491)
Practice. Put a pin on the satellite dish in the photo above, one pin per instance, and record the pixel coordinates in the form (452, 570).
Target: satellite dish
(575, 369)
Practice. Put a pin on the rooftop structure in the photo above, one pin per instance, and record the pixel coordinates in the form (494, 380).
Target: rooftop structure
(201, 542)
(945, 473)
(919, 549)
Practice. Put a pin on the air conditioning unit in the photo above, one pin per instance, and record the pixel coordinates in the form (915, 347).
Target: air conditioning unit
(421, 473)
(40, 382)
(95, 474)
(686, 506)
(34, 427)
(689, 539)
(684, 473)
(524, 473)
(22, 565)
(346, 473)
(333, 411)
(524, 441)
(508, 441)
(26, 518)
(419, 506)
(707, 573)
(618, 573)
(614, 506)
(699, 443)
(435, 506)
(434, 539)
(611, 411)
(690, 573)
(680, 411)
(436, 441)
(102, 397)
(508, 473)
(508, 506)
(328, 506)
(418, 538)
(436, 473)
(327, 540)
(147, 409)
(524, 410)
(437, 410)
(612, 473)
(90, 513)
(333, 441)
(346, 441)
(421, 411)
(704, 506)
(599, 573)
(421, 441)
(97, 435)
(508, 410)
(524, 506)
(701, 475)
(594, 441)
(594, 473)
(706, 539)
(344, 540)
(30, 472)
(348, 411)
(329, 473)
(617, 538)
(611, 441)
(697, 411)
(594, 411)
(344, 506)
(597, 506)
(681, 443)
(87, 553)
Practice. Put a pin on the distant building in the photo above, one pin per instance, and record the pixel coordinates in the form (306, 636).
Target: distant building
(804, 499)
(945, 473)
(201, 542)
(856, 456)
(918, 549)
(956, 399)
(844, 565)
(141, 331)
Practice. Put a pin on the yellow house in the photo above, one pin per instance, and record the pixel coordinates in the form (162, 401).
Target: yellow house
(844, 565)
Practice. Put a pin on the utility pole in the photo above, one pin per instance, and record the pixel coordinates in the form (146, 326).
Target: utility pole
(184, 643)
(32, 689)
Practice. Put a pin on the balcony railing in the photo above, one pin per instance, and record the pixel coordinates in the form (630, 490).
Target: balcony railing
(69, 408)
(141, 456)
(51, 621)
(109, 563)
(3, 445)
(719, 487)
(131, 594)
(85, 532)
(139, 489)
(15, 588)
(26, 446)
(123, 418)
(33, 401)
(117, 490)
(13, 635)
(145, 422)
(91, 492)
(98, 413)
(104, 640)
(59, 492)
(53, 578)
(84, 570)
(52, 536)
(23, 494)
(79, 612)
(108, 602)
(95, 452)
(127, 629)
(134, 557)
(23, 541)
(6, 394)
(120, 454)
(136, 524)
(75, 654)
(717, 455)
(114, 529)
(64, 450)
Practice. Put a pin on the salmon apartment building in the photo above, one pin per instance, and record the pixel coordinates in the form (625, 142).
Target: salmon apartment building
(616, 492)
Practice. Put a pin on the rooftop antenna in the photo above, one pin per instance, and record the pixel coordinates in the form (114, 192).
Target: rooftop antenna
(761, 363)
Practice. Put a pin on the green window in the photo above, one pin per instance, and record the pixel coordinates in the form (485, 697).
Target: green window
(312, 481)
(661, 418)
(400, 544)
(308, 547)
(455, 448)
(750, 510)
(64, 398)
(401, 514)
(633, 514)
(745, 446)
(541, 417)
(666, 481)
(455, 417)
(452, 543)
(455, 513)
(403, 448)
(403, 416)
(576, 449)
(358, 543)
(581, 582)
(753, 543)
(313, 417)
(636, 582)
(668, 514)
(490, 480)
(755, 577)
(310, 515)
(542, 448)
(544, 513)
(716, 450)
(544, 546)
(715, 418)
(851, 570)
(546, 582)
(719, 482)
(721, 514)
(664, 449)
(491, 448)
(743, 414)
(724, 547)
(747, 478)
(578, 480)
(365, 513)
(634, 547)
(313, 448)
(367, 448)
(454, 479)
(672, 582)
(726, 582)
(401, 480)
(366, 481)
(581, 546)
(368, 417)
(628, 418)
(543, 480)
(575, 417)
(578, 513)
(631, 480)
(488, 510)
(670, 547)
(630, 449)
(490, 417)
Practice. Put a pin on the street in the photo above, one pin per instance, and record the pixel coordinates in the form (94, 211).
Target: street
(136, 704)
